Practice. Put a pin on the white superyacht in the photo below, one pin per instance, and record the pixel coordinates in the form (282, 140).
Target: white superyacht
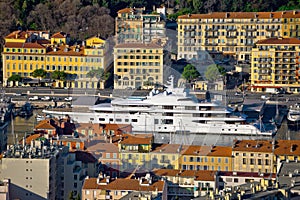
(171, 111)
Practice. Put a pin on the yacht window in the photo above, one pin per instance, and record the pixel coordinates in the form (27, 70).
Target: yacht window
(155, 121)
(118, 120)
(134, 120)
(91, 119)
(126, 120)
(111, 119)
(101, 119)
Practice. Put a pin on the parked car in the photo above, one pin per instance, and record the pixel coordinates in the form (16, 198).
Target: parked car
(46, 98)
(34, 98)
(68, 99)
(264, 97)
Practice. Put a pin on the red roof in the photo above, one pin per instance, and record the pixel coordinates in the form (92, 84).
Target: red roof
(279, 41)
(243, 15)
(123, 184)
(59, 35)
(34, 45)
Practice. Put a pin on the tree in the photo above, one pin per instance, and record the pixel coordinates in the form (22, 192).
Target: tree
(99, 73)
(14, 78)
(190, 73)
(59, 75)
(40, 73)
(212, 73)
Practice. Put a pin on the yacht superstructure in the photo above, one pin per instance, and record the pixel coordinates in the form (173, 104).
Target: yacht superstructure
(173, 110)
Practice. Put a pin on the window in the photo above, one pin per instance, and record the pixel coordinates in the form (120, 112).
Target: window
(134, 120)
(236, 180)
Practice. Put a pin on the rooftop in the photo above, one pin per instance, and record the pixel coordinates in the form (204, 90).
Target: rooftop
(169, 148)
(287, 147)
(292, 41)
(201, 175)
(130, 139)
(138, 46)
(243, 15)
(253, 145)
(208, 151)
(123, 184)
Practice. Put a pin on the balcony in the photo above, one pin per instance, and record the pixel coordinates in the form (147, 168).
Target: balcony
(250, 36)
(210, 44)
(272, 29)
(165, 161)
(231, 44)
(231, 36)
(211, 36)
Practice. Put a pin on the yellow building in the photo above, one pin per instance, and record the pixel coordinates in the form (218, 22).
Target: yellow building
(233, 33)
(253, 156)
(216, 158)
(166, 156)
(26, 51)
(134, 150)
(138, 65)
(286, 151)
(275, 64)
(135, 25)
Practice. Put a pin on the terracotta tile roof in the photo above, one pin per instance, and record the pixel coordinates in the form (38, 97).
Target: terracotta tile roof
(82, 126)
(59, 35)
(45, 124)
(102, 147)
(287, 147)
(138, 46)
(208, 150)
(169, 148)
(126, 10)
(32, 137)
(34, 45)
(200, 175)
(247, 174)
(137, 139)
(252, 145)
(61, 51)
(279, 41)
(243, 15)
(123, 184)
(22, 34)
(116, 126)
(85, 157)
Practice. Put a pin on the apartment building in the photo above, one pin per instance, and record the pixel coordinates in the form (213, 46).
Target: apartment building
(134, 150)
(32, 170)
(188, 183)
(5, 189)
(138, 65)
(274, 65)
(104, 187)
(253, 156)
(215, 158)
(166, 156)
(233, 33)
(136, 25)
(26, 51)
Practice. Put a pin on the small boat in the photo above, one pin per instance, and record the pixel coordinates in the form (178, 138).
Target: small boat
(293, 116)
(42, 117)
(26, 110)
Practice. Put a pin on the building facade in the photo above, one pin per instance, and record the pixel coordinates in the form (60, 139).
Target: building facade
(215, 158)
(135, 25)
(274, 65)
(253, 156)
(138, 65)
(26, 51)
(233, 33)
